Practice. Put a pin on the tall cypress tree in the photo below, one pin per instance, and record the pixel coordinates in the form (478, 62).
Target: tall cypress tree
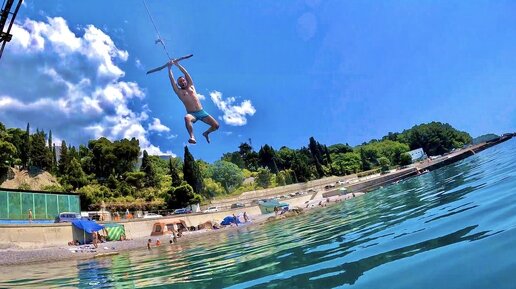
(25, 149)
(174, 174)
(64, 161)
(151, 179)
(40, 155)
(54, 159)
(192, 173)
(316, 156)
(328, 160)
(50, 149)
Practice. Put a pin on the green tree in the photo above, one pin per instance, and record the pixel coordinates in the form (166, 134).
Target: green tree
(126, 153)
(249, 156)
(40, 155)
(205, 168)
(54, 159)
(103, 159)
(384, 164)
(93, 194)
(300, 167)
(317, 158)
(26, 148)
(405, 159)
(64, 161)
(235, 158)
(191, 172)
(347, 163)
(52, 164)
(434, 138)
(160, 165)
(86, 159)
(340, 148)
(75, 176)
(267, 158)
(151, 180)
(213, 188)
(263, 179)
(285, 157)
(135, 179)
(228, 174)
(7, 153)
(16, 137)
(281, 178)
(182, 196)
(174, 172)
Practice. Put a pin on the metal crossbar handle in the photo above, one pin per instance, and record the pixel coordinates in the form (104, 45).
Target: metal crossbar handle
(165, 65)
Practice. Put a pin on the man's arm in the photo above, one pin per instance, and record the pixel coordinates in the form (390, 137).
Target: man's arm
(172, 79)
(187, 76)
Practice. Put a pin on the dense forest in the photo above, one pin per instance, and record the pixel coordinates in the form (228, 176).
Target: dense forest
(105, 170)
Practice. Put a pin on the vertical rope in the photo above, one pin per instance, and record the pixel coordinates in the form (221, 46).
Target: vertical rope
(156, 28)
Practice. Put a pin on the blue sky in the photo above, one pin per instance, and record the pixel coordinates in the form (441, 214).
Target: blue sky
(276, 72)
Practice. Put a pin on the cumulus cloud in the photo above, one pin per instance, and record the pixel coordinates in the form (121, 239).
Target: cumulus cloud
(201, 97)
(234, 115)
(72, 84)
(156, 125)
(138, 64)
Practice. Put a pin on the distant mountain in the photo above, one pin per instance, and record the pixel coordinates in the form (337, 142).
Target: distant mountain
(485, 138)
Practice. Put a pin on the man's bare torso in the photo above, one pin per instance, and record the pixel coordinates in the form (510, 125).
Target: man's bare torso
(189, 98)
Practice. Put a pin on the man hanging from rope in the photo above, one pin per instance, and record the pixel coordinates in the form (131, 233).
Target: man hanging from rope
(185, 90)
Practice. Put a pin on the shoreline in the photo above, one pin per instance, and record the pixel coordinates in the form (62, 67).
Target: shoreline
(19, 257)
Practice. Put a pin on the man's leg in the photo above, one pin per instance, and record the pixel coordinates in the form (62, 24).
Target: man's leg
(189, 119)
(214, 125)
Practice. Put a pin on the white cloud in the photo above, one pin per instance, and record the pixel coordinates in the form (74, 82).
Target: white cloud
(156, 125)
(138, 64)
(233, 114)
(201, 97)
(72, 84)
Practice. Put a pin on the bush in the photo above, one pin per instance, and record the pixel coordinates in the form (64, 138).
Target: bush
(384, 164)
(405, 159)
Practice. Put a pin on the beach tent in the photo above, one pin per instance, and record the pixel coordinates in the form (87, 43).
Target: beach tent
(229, 220)
(162, 228)
(206, 225)
(114, 231)
(86, 227)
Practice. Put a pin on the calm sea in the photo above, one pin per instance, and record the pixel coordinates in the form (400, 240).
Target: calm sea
(451, 228)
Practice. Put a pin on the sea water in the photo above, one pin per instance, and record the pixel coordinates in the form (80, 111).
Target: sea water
(454, 227)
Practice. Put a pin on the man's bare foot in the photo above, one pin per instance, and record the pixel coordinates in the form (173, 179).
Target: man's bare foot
(205, 134)
(192, 141)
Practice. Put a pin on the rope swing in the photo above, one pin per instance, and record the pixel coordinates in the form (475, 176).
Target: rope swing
(160, 40)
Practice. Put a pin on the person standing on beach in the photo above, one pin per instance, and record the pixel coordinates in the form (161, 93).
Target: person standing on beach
(185, 90)
(30, 216)
(235, 219)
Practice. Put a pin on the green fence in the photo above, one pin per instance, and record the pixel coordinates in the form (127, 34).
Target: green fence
(15, 205)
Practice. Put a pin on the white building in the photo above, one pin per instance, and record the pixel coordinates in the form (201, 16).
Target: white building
(417, 154)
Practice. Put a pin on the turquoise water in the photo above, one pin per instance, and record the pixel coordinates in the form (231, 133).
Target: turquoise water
(451, 228)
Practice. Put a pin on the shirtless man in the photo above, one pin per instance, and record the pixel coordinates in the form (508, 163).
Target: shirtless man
(185, 90)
